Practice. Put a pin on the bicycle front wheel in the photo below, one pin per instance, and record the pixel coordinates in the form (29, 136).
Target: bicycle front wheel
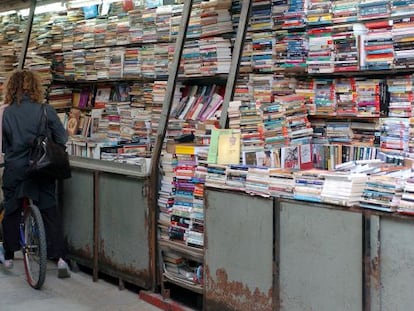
(34, 247)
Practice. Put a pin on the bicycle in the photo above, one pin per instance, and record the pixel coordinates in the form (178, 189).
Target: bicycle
(32, 238)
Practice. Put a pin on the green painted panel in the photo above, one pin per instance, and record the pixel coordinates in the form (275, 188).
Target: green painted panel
(77, 213)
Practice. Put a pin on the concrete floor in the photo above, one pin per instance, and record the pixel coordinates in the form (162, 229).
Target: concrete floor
(77, 293)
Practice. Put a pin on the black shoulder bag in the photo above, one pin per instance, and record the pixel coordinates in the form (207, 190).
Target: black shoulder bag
(47, 159)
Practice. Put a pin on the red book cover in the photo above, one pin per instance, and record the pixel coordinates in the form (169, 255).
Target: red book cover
(305, 160)
(377, 24)
(128, 5)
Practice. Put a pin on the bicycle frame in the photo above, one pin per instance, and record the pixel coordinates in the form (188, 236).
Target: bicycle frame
(25, 205)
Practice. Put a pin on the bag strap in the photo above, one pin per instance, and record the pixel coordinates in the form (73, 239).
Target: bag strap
(43, 120)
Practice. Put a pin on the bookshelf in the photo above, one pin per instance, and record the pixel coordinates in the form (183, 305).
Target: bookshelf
(180, 199)
(130, 48)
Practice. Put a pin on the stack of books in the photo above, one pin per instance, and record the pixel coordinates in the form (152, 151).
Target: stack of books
(281, 183)
(320, 57)
(257, 181)
(400, 91)
(345, 47)
(215, 55)
(345, 97)
(262, 54)
(216, 176)
(406, 205)
(236, 176)
(377, 50)
(382, 193)
(215, 18)
(343, 188)
(251, 128)
(309, 185)
(318, 13)
(344, 11)
(261, 16)
(395, 133)
(324, 98)
(368, 97)
(373, 9)
(402, 36)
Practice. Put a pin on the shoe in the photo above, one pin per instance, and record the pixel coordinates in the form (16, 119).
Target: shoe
(63, 269)
(2, 254)
(8, 263)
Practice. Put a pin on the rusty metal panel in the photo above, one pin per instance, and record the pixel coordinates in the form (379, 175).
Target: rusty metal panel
(320, 258)
(238, 252)
(396, 264)
(123, 228)
(77, 214)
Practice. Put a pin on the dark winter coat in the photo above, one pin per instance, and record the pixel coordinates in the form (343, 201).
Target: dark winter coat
(20, 127)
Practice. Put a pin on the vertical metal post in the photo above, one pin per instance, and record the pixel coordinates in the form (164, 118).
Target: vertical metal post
(366, 254)
(235, 60)
(166, 109)
(96, 217)
(27, 35)
(276, 253)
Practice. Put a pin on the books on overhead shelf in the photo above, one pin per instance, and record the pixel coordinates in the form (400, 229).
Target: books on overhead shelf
(395, 133)
(345, 97)
(373, 9)
(345, 46)
(320, 58)
(344, 11)
(324, 98)
(377, 50)
(215, 18)
(402, 36)
(318, 13)
(261, 16)
(401, 8)
(262, 51)
(400, 90)
(81, 98)
(102, 95)
(368, 97)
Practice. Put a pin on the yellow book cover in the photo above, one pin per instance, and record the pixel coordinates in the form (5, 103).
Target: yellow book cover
(184, 149)
(75, 98)
(229, 149)
(214, 144)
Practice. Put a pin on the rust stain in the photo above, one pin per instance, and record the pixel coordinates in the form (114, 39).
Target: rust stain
(83, 252)
(375, 272)
(130, 269)
(225, 295)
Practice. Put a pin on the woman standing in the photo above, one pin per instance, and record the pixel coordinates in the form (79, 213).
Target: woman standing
(23, 92)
